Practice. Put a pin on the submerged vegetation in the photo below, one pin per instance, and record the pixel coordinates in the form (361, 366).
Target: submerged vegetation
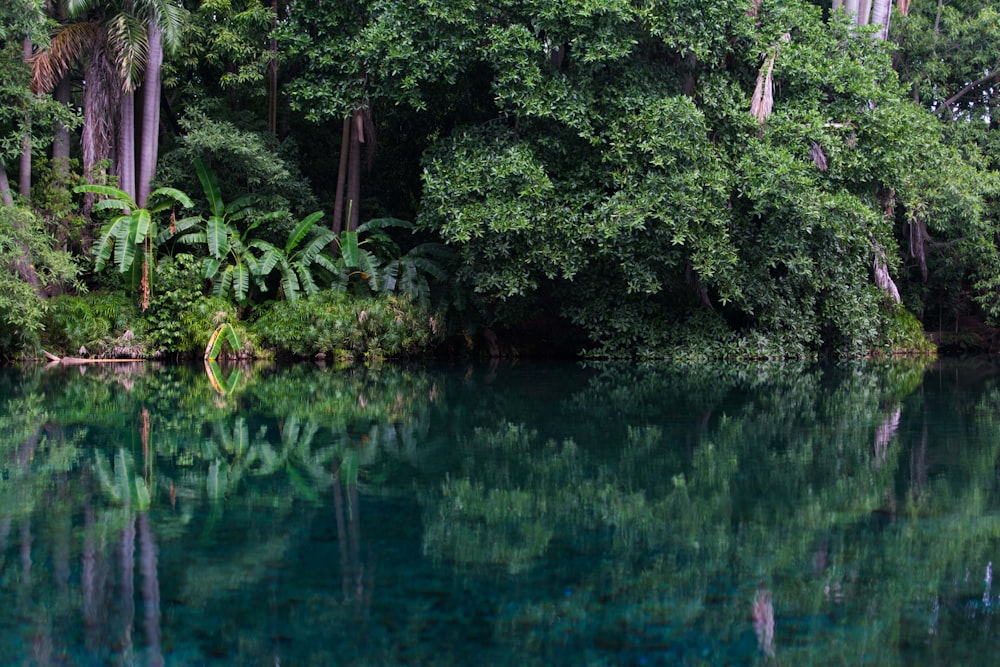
(758, 179)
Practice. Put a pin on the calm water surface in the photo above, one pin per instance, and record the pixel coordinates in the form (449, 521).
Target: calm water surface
(528, 514)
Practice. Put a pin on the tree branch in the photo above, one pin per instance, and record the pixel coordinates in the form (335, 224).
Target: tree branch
(960, 94)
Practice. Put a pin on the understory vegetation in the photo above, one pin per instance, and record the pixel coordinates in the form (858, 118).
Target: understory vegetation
(369, 179)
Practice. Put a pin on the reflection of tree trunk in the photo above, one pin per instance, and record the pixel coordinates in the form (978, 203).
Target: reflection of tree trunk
(93, 576)
(338, 508)
(354, 526)
(26, 556)
(4, 533)
(918, 467)
(127, 588)
(763, 621)
(150, 591)
(63, 535)
(884, 434)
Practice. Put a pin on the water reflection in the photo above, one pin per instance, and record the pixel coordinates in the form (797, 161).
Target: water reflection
(526, 515)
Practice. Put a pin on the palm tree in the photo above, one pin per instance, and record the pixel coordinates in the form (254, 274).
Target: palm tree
(120, 44)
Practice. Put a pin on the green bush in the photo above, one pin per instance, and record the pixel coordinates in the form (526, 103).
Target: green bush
(181, 317)
(347, 327)
(95, 322)
(22, 309)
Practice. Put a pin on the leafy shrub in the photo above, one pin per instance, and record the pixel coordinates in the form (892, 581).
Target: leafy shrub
(22, 310)
(181, 317)
(347, 327)
(93, 322)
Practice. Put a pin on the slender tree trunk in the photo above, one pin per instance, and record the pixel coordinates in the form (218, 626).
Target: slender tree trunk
(338, 200)
(5, 197)
(881, 13)
(126, 145)
(272, 92)
(354, 171)
(24, 185)
(864, 12)
(851, 7)
(150, 115)
(60, 139)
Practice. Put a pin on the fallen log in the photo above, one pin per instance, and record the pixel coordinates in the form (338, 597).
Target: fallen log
(76, 361)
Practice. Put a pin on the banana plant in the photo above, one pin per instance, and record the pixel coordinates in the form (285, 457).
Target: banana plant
(133, 232)
(236, 258)
(371, 254)
(294, 263)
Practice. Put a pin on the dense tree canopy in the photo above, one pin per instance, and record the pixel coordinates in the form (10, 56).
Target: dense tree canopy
(747, 179)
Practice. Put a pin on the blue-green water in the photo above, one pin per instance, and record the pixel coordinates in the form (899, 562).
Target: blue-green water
(525, 514)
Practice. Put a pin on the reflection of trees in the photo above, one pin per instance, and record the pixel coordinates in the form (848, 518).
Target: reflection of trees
(702, 494)
(642, 514)
(163, 458)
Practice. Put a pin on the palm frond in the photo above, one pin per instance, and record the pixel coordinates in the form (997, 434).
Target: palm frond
(69, 46)
(128, 44)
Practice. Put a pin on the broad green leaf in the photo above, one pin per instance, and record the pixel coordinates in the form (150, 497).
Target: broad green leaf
(210, 184)
(217, 234)
(301, 230)
(349, 248)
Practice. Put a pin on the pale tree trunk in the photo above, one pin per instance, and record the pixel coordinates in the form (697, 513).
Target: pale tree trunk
(864, 12)
(851, 7)
(24, 185)
(5, 197)
(881, 13)
(354, 171)
(60, 140)
(126, 144)
(272, 91)
(150, 114)
(338, 200)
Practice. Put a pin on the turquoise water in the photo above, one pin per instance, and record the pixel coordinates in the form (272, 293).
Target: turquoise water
(517, 514)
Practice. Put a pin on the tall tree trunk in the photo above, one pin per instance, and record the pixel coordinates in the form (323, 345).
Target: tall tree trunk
(5, 197)
(881, 13)
(354, 171)
(272, 91)
(126, 144)
(864, 12)
(24, 185)
(338, 200)
(150, 114)
(100, 107)
(60, 139)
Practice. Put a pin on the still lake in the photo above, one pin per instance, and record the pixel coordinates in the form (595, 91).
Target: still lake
(515, 514)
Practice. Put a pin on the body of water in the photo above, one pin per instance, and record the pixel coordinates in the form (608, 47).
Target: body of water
(517, 514)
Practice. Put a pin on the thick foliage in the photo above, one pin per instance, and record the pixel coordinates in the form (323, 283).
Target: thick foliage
(346, 327)
(22, 309)
(662, 215)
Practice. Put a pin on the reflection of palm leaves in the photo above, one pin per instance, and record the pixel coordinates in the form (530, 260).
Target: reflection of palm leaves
(120, 482)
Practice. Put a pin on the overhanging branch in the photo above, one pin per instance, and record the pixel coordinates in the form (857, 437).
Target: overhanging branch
(964, 91)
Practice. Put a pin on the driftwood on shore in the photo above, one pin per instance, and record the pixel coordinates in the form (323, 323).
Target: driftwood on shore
(76, 361)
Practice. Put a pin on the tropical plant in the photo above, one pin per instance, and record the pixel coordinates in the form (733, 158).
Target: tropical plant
(235, 257)
(369, 253)
(134, 230)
